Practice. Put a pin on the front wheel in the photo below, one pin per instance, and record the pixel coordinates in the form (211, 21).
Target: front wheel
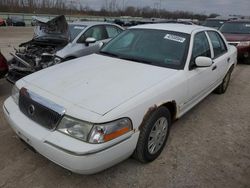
(153, 136)
(224, 85)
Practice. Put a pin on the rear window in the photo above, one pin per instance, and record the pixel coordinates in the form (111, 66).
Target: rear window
(113, 31)
(217, 43)
(236, 28)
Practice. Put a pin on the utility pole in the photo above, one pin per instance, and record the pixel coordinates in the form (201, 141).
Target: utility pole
(160, 9)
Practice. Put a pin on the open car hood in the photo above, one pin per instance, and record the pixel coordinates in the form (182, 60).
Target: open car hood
(49, 29)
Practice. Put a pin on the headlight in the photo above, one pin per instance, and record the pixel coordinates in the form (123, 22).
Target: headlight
(94, 133)
(244, 44)
(109, 131)
(75, 128)
(15, 94)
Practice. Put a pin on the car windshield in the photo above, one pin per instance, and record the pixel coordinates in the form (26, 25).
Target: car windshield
(75, 30)
(236, 27)
(213, 23)
(154, 47)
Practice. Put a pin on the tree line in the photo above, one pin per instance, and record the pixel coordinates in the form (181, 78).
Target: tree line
(109, 8)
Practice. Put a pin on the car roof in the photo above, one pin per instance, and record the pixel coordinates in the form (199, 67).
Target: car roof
(177, 27)
(89, 23)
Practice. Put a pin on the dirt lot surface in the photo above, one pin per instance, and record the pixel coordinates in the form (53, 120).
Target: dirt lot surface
(207, 147)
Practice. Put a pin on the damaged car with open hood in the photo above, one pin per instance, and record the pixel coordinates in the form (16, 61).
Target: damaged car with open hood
(57, 41)
(38, 53)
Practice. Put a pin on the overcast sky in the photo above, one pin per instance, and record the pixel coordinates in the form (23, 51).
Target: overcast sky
(223, 7)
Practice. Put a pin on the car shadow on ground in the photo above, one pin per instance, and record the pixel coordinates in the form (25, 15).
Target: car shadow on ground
(5, 88)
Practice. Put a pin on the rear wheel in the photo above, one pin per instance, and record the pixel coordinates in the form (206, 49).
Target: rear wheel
(153, 136)
(224, 85)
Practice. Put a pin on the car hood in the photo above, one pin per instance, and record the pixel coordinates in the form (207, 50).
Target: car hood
(237, 37)
(98, 83)
(51, 28)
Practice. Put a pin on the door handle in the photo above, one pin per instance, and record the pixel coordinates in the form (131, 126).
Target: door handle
(228, 59)
(214, 67)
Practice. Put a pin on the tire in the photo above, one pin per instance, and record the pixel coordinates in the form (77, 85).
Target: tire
(224, 85)
(155, 130)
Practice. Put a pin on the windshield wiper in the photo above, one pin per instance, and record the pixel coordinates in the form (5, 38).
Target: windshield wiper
(108, 54)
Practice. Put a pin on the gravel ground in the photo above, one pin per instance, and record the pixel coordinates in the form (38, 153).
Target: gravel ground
(207, 147)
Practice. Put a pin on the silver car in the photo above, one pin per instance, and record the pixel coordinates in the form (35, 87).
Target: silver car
(55, 41)
(86, 38)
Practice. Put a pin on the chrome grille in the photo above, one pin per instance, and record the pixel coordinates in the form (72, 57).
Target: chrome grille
(42, 111)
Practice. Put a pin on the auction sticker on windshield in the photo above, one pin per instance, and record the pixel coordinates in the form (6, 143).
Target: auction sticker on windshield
(174, 38)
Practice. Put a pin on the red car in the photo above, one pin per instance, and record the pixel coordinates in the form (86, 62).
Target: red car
(2, 22)
(237, 33)
(3, 66)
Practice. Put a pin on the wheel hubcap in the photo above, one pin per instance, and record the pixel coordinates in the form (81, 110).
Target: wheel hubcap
(157, 135)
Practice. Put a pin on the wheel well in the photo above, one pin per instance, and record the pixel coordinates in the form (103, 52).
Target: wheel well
(171, 106)
(232, 67)
(172, 109)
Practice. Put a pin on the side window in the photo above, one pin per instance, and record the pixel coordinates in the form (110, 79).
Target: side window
(97, 32)
(217, 43)
(125, 42)
(113, 31)
(200, 48)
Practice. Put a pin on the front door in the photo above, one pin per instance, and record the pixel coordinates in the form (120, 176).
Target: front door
(199, 79)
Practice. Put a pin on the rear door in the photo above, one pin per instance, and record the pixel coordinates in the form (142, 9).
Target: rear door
(220, 56)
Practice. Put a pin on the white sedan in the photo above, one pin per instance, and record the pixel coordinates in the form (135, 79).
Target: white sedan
(93, 112)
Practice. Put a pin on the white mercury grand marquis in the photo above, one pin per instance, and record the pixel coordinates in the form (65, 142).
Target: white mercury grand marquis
(95, 111)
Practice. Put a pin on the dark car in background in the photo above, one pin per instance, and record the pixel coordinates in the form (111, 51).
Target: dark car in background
(125, 23)
(17, 21)
(3, 66)
(179, 22)
(215, 23)
(237, 33)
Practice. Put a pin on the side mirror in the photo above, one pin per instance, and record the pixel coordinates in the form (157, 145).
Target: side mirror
(90, 40)
(203, 61)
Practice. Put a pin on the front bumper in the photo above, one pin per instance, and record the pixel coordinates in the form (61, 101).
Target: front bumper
(70, 153)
